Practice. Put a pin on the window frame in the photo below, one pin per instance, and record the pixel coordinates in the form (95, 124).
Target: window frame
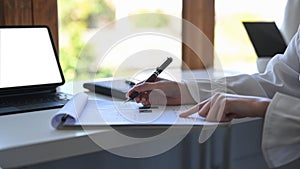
(200, 13)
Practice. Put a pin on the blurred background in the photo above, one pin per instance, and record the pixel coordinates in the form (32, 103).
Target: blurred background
(79, 20)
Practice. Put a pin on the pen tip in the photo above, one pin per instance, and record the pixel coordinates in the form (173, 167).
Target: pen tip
(127, 100)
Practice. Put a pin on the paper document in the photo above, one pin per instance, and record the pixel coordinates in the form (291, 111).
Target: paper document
(80, 111)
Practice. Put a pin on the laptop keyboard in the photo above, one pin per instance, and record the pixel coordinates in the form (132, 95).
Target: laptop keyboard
(18, 104)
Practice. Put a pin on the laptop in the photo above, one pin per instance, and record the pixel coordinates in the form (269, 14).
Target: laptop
(29, 70)
(266, 38)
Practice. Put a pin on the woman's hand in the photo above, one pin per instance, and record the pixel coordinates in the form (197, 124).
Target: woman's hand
(162, 93)
(223, 107)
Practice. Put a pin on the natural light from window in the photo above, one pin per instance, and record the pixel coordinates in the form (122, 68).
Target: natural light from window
(232, 45)
(79, 20)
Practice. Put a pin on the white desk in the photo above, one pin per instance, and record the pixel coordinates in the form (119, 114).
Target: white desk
(28, 138)
(25, 138)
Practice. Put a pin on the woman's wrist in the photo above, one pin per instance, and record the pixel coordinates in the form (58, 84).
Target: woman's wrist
(186, 96)
(262, 106)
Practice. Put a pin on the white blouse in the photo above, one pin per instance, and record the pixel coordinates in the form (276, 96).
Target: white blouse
(280, 81)
(291, 19)
(282, 75)
(281, 132)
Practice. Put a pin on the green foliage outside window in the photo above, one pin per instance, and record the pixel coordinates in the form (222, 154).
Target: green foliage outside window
(75, 18)
(148, 20)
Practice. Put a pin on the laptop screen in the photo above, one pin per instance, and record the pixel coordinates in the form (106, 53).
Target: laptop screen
(28, 57)
(266, 38)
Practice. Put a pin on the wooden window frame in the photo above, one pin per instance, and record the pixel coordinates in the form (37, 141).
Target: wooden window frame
(201, 13)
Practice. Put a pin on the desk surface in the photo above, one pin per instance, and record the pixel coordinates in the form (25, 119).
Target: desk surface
(29, 138)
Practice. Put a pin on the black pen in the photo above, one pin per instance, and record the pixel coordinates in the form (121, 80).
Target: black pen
(64, 118)
(153, 77)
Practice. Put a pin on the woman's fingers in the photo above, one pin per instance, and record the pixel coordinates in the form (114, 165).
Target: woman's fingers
(216, 109)
(213, 109)
(222, 107)
(143, 98)
(143, 87)
(205, 109)
(190, 111)
(194, 109)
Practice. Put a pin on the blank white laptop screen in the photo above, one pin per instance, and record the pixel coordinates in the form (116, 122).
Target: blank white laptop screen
(27, 58)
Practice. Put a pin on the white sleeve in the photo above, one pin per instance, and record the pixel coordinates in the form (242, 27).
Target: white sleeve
(281, 75)
(281, 132)
(291, 19)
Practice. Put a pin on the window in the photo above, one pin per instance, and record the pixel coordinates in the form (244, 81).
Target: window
(77, 19)
(233, 48)
(81, 20)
